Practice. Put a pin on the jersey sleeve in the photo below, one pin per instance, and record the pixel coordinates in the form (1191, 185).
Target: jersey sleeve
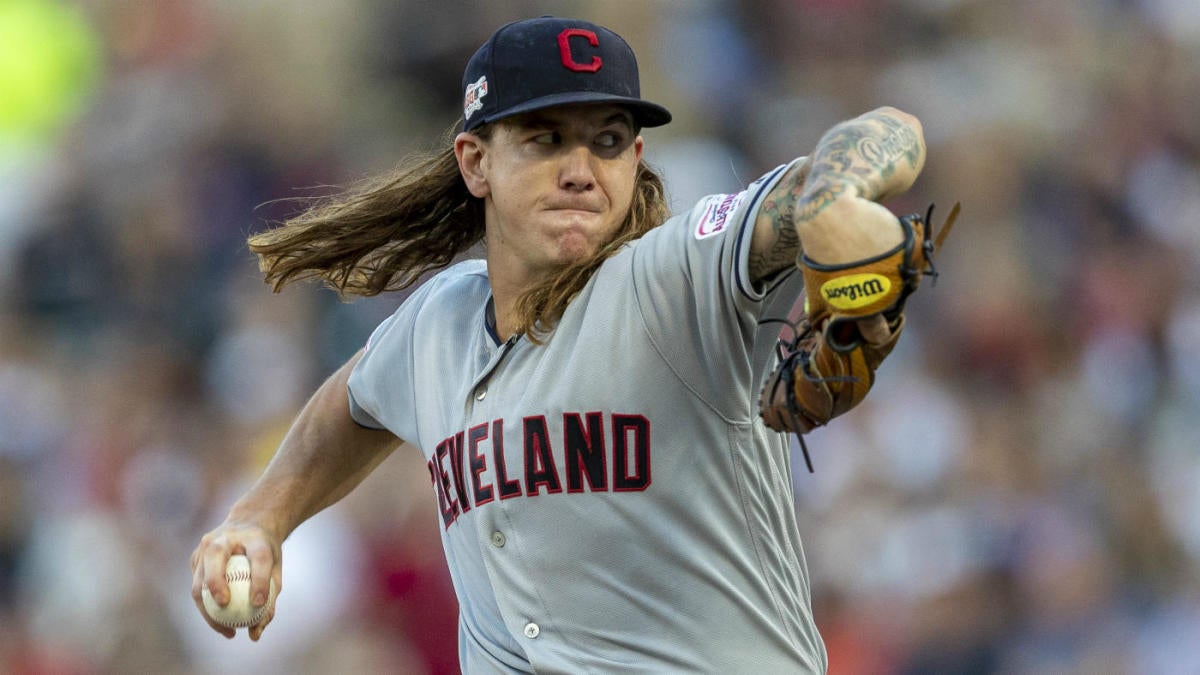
(699, 304)
(382, 384)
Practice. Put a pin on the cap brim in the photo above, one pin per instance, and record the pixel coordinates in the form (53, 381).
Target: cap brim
(645, 113)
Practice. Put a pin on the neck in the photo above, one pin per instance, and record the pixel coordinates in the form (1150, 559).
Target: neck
(506, 288)
(506, 324)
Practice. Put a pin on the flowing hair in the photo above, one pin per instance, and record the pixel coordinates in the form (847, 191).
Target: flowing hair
(387, 232)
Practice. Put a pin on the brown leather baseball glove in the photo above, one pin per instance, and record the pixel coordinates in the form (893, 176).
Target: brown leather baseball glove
(829, 365)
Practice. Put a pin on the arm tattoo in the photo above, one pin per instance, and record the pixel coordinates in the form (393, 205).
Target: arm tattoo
(780, 244)
(817, 197)
(863, 154)
(777, 255)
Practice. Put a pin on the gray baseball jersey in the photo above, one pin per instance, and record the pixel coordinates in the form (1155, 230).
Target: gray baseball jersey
(610, 500)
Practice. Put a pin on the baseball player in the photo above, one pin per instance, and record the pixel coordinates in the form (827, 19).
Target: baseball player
(602, 411)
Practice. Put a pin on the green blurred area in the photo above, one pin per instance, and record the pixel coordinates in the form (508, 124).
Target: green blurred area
(50, 64)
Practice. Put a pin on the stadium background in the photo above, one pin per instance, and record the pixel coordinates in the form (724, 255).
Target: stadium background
(1019, 495)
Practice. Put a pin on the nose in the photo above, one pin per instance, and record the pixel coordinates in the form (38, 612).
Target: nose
(576, 172)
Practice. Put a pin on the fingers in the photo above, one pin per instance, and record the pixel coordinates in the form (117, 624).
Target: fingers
(874, 329)
(209, 561)
(257, 629)
(198, 594)
(214, 558)
(262, 571)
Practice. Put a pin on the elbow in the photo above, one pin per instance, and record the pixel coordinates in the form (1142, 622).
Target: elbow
(918, 132)
(907, 119)
(907, 137)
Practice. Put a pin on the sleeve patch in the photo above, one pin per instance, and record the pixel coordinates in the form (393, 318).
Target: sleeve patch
(716, 214)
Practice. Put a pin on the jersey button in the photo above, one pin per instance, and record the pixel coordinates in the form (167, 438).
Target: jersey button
(532, 630)
(498, 539)
(480, 393)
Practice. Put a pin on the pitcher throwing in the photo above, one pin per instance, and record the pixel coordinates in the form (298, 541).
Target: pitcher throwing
(602, 409)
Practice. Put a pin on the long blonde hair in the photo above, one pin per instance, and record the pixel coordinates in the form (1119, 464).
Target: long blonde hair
(386, 232)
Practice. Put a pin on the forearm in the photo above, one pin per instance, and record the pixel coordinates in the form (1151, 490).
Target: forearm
(866, 159)
(856, 165)
(873, 157)
(322, 458)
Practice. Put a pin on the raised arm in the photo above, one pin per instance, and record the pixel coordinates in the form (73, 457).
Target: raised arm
(829, 202)
(324, 456)
(859, 261)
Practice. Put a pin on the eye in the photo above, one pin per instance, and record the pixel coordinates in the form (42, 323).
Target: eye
(548, 138)
(608, 139)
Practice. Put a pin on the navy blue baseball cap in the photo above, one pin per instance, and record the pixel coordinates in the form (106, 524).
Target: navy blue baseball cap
(538, 63)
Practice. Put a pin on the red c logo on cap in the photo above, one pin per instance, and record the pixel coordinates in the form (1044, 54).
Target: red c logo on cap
(564, 48)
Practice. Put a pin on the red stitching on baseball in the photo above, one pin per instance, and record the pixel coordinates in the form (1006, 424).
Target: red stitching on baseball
(237, 575)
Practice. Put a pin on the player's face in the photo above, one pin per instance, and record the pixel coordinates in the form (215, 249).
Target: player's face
(558, 183)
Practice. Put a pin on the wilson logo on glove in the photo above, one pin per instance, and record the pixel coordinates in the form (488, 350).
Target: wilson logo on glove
(855, 290)
(828, 365)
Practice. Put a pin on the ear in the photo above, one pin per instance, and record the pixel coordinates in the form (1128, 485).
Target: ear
(470, 150)
(639, 144)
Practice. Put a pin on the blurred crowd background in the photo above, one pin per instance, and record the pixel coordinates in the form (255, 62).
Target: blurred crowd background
(1019, 494)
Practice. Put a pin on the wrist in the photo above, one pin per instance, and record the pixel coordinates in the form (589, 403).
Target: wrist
(848, 230)
(253, 512)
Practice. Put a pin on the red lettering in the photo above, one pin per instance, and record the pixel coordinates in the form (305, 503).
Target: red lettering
(508, 488)
(564, 49)
(631, 432)
(456, 466)
(483, 493)
(539, 459)
(584, 448)
(615, 458)
(449, 504)
(443, 505)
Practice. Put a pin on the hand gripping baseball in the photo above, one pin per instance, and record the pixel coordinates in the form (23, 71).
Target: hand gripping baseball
(829, 365)
(236, 575)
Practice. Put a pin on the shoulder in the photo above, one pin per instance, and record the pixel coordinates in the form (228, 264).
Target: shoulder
(451, 297)
(457, 289)
(468, 277)
(716, 214)
(466, 271)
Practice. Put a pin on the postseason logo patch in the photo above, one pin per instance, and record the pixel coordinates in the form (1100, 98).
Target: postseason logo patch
(716, 213)
(473, 101)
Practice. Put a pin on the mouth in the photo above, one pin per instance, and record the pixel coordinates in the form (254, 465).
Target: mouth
(576, 213)
(575, 217)
(575, 208)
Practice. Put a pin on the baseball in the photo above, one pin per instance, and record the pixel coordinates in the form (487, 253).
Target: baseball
(239, 613)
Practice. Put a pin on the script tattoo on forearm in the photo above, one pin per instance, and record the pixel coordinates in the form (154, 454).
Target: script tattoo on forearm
(862, 154)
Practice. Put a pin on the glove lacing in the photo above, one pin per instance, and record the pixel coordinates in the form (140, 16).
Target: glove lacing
(793, 358)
